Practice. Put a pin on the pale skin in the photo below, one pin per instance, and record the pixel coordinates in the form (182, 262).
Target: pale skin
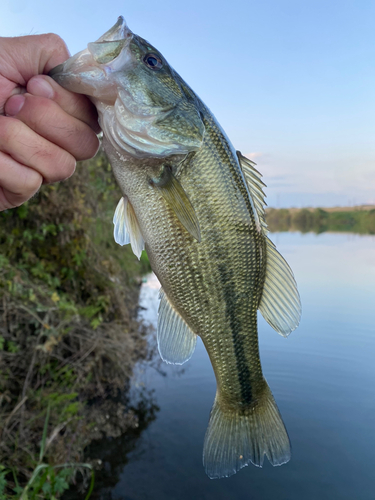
(44, 129)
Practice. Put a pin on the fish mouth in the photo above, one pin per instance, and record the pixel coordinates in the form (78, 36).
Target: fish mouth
(119, 31)
(56, 70)
(86, 72)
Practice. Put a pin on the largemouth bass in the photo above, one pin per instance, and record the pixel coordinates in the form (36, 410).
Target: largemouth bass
(197, 206)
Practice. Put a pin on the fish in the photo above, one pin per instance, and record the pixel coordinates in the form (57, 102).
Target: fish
(197, 206)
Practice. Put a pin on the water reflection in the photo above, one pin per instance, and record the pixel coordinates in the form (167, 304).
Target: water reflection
(112, 454)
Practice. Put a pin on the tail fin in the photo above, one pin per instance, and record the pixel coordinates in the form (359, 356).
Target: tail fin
(233, 439)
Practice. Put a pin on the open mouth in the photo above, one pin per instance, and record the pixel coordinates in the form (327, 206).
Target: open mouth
(103, 51)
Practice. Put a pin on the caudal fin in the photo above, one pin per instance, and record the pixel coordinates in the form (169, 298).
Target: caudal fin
(233, 440)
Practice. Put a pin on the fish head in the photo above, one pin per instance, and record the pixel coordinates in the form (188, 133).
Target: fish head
(145, 108)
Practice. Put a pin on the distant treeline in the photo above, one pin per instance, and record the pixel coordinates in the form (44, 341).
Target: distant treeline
(319, 220)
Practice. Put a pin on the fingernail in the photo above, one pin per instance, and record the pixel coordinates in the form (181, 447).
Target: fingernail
(14, 105)
(38, 86)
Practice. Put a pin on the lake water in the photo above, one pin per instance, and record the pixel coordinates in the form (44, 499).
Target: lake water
(322, 377)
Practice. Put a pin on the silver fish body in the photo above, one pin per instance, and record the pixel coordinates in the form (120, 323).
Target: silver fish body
(197, 206)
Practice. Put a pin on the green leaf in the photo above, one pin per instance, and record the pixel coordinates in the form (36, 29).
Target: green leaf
(47, 488)
(22, 211)
(18, 490)
(3, 261)
(12, 347)
(60, 483)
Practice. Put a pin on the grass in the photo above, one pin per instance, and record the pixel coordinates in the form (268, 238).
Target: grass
(46, 482)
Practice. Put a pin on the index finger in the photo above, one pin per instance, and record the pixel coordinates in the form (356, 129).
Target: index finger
(76, 105)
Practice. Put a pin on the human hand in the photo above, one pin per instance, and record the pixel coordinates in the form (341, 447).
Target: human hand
(44, 128)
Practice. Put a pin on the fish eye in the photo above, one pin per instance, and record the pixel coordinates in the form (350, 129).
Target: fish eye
(153, 61)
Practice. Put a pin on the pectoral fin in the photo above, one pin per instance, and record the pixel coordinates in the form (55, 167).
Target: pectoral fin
(177, 199)
(176, 342)
(126, 228)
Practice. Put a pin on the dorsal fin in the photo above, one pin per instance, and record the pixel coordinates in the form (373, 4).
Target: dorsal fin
(126, 228)
(255, 185)
(176, 342)
(280, 304)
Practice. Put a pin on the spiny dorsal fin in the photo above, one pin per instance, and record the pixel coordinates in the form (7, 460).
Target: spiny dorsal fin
(280, 304)
(126, 228)
(255, 184)
(176, 342)
(174, 194)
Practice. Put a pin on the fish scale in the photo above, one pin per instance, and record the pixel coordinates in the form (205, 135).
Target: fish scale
(197, 206)
(214, 157)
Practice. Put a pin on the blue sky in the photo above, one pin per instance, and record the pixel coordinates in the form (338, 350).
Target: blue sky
(291, 82)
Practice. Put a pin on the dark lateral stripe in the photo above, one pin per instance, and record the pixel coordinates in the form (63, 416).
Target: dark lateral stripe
(227, 278)
(238, 340)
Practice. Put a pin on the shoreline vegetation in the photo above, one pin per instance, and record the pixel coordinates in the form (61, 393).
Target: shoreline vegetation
(68, 336)
(359, 219)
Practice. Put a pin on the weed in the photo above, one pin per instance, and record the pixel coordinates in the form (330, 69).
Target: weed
(46, 482)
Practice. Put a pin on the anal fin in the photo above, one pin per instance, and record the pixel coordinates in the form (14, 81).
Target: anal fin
(176, 342)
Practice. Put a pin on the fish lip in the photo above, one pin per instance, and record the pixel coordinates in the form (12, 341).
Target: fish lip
(56, 70)
(65, 69)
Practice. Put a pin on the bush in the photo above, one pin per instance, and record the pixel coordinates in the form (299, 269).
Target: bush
(68, 296)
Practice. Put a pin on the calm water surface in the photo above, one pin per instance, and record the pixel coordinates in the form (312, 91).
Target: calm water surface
(322, 377)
